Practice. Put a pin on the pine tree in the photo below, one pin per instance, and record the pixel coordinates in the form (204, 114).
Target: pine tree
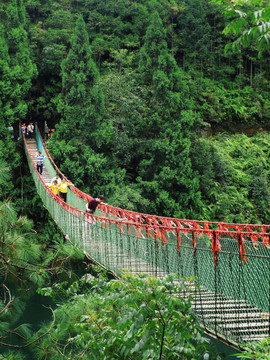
(17, 68)
(82, 130)
(4, 76)
(160, 71)
(7, 112)
(82, 100)
(166, 171)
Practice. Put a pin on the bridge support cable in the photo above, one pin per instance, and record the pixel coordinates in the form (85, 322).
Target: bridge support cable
(231, 263)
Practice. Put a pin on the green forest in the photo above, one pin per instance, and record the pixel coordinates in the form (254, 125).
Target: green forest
(162, 106)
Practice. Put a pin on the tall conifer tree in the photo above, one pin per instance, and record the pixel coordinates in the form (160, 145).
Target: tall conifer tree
(83, 101)
(18, 69)
(166, 170)
(6, 144)
(160, 71)
(81, 131)
(16, 73)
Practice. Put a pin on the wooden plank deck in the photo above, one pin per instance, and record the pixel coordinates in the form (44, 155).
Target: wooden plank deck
(231, 318)
(33, 151)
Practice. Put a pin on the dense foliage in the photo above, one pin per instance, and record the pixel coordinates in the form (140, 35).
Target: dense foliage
(256, 350)
(148, 110)
(138, 90)
(250, 21)
(133, 318)
(27, 262)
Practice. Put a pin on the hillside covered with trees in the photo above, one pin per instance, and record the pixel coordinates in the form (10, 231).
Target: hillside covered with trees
(148, 107)
(163, 106)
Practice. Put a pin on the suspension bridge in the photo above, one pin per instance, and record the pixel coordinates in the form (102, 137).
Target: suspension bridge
(229, 263)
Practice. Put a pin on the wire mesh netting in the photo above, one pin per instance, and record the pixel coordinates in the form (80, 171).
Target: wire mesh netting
(232, 297)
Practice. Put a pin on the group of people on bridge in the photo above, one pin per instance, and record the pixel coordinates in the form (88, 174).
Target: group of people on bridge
(59, 187)
(28, 130)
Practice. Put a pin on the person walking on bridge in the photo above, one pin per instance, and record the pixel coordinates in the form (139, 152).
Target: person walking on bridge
(54, 187)
(57, 178)
(93, 204)
(30, 130)
(11, 129)
(40, 157)
(47, 130)
(63, 187)
(24, 129)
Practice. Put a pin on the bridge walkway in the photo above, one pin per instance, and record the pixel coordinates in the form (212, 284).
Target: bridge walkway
(33, 151)
(119, 258)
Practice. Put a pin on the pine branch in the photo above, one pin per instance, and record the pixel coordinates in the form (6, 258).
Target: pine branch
(9, 301)
(35, 340)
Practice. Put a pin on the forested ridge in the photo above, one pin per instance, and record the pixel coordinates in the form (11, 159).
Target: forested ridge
(162, 106)
(148, 108)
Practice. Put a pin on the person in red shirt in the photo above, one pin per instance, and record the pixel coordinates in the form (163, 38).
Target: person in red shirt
(93, 204)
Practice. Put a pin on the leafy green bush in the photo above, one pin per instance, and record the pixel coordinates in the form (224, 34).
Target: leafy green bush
(259, 350)
(235, 174)
(139, 317)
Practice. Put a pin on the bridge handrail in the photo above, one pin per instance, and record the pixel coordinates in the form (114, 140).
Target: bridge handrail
(159, 228)
(162, 220)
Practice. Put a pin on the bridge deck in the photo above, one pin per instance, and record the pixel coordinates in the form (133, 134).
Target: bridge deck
(33, 151)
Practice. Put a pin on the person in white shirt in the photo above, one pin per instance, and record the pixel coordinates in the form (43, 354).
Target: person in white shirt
(57, 178)
(40, 157)
(30, 130)
(10, 128)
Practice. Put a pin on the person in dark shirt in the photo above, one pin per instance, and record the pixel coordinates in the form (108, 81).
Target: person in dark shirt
(93, 204)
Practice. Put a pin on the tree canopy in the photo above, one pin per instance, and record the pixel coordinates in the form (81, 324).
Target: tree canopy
(250, 21)
(136, 90)
(163, 106)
